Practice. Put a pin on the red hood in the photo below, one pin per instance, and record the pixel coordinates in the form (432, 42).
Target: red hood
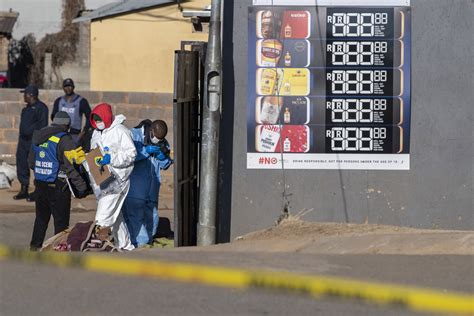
(104, 111)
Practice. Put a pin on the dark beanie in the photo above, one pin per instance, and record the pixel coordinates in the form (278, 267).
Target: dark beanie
(61, 118)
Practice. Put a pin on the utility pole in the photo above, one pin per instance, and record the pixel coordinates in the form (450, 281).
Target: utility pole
(206, 230)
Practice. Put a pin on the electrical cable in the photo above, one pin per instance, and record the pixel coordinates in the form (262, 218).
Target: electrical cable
(285, 211)
(285, 201)
(341, 180)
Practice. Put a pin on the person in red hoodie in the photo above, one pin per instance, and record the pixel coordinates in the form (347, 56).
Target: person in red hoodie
(118, 154)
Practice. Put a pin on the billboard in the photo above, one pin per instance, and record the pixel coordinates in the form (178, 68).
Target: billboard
(329, 86)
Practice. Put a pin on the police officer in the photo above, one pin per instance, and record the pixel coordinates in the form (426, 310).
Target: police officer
(33, 117)
(76, 106)
(52, 169)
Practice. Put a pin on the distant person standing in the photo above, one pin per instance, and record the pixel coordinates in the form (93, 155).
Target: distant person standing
(77, 107)
(34, 116)
(20, 60)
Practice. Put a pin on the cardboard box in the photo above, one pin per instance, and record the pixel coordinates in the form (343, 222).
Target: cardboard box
(101, 174)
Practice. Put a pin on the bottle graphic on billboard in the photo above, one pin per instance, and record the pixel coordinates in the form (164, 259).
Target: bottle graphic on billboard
(287, 145)
(287, 59)
(287, 116)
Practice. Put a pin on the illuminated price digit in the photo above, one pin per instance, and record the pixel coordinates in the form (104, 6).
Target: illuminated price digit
(337, 110)
(351, 114)
(355, 81)
(356, 24)
(366, 139)
(355, 53)
(380, 133)
(355, 138)
(380, 47)
(380, 75)
(338, 84)
(380, 104)
(381, 18)
(367, 82)
(338, 54)
(352, 110)
(367, 24)
(352, 81)
(337, 138)
(352, 27)
(367, 53)
(339, 26)
(352, 53)
(351, 140)
(366, 111)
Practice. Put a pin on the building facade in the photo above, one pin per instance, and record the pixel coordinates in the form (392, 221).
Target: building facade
(133, 50)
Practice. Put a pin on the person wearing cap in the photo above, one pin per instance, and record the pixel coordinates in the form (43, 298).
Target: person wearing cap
(34, 116)
(52, 169)
(118, 155)
(77, 107)
(140, 208)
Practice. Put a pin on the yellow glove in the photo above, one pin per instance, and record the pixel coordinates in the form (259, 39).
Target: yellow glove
(75, 156)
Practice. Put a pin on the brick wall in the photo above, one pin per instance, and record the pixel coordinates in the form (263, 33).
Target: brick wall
(135, 106)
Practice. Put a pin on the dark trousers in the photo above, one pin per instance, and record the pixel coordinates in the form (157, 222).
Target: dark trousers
(22, 170)
(55, 199)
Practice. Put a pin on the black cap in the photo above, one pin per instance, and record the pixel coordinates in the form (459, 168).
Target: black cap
(61, 118)
(30, 89)
(68, 83)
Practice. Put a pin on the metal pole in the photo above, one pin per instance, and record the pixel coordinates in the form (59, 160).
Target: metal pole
(206, 230)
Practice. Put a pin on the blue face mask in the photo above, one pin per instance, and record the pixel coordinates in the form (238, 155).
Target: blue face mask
(100, 125)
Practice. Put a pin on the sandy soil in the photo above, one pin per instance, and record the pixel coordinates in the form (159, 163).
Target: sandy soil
(295, 235)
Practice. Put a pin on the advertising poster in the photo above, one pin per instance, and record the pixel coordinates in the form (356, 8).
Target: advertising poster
(329, 86)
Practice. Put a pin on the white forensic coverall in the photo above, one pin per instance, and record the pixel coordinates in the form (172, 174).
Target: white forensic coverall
(117, 141)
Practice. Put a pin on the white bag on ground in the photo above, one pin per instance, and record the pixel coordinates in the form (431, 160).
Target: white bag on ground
(7, 175)
(4, 182)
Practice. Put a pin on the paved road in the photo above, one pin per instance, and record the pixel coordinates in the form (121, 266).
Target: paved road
(32, 289)
(37, 290)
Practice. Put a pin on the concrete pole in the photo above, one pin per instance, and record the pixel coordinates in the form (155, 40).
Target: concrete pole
(206, 230)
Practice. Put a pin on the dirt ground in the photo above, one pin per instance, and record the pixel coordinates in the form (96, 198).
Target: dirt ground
(292, 235)
(17, 217)
(296, 235)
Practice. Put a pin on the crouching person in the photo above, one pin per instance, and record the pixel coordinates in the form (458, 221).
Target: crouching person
(118, 153)
(141, 205)
(51, 171)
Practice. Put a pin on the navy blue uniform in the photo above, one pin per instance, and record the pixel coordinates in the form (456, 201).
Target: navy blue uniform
(33, 117)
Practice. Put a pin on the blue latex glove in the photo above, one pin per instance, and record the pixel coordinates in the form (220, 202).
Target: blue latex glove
(105, 160)
(167, 164)
(161, 156)
(150, 149)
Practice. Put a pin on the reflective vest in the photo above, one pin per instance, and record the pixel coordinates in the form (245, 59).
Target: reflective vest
(73, 109)
(46, 159)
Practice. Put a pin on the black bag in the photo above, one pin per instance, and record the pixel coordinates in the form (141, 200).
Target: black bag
(75, 192)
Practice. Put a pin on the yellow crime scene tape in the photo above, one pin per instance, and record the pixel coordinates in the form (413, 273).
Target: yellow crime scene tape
(317, 286)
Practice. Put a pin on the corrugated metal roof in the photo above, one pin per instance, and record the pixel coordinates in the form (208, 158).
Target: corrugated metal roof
(123, 7)
(7, 21)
